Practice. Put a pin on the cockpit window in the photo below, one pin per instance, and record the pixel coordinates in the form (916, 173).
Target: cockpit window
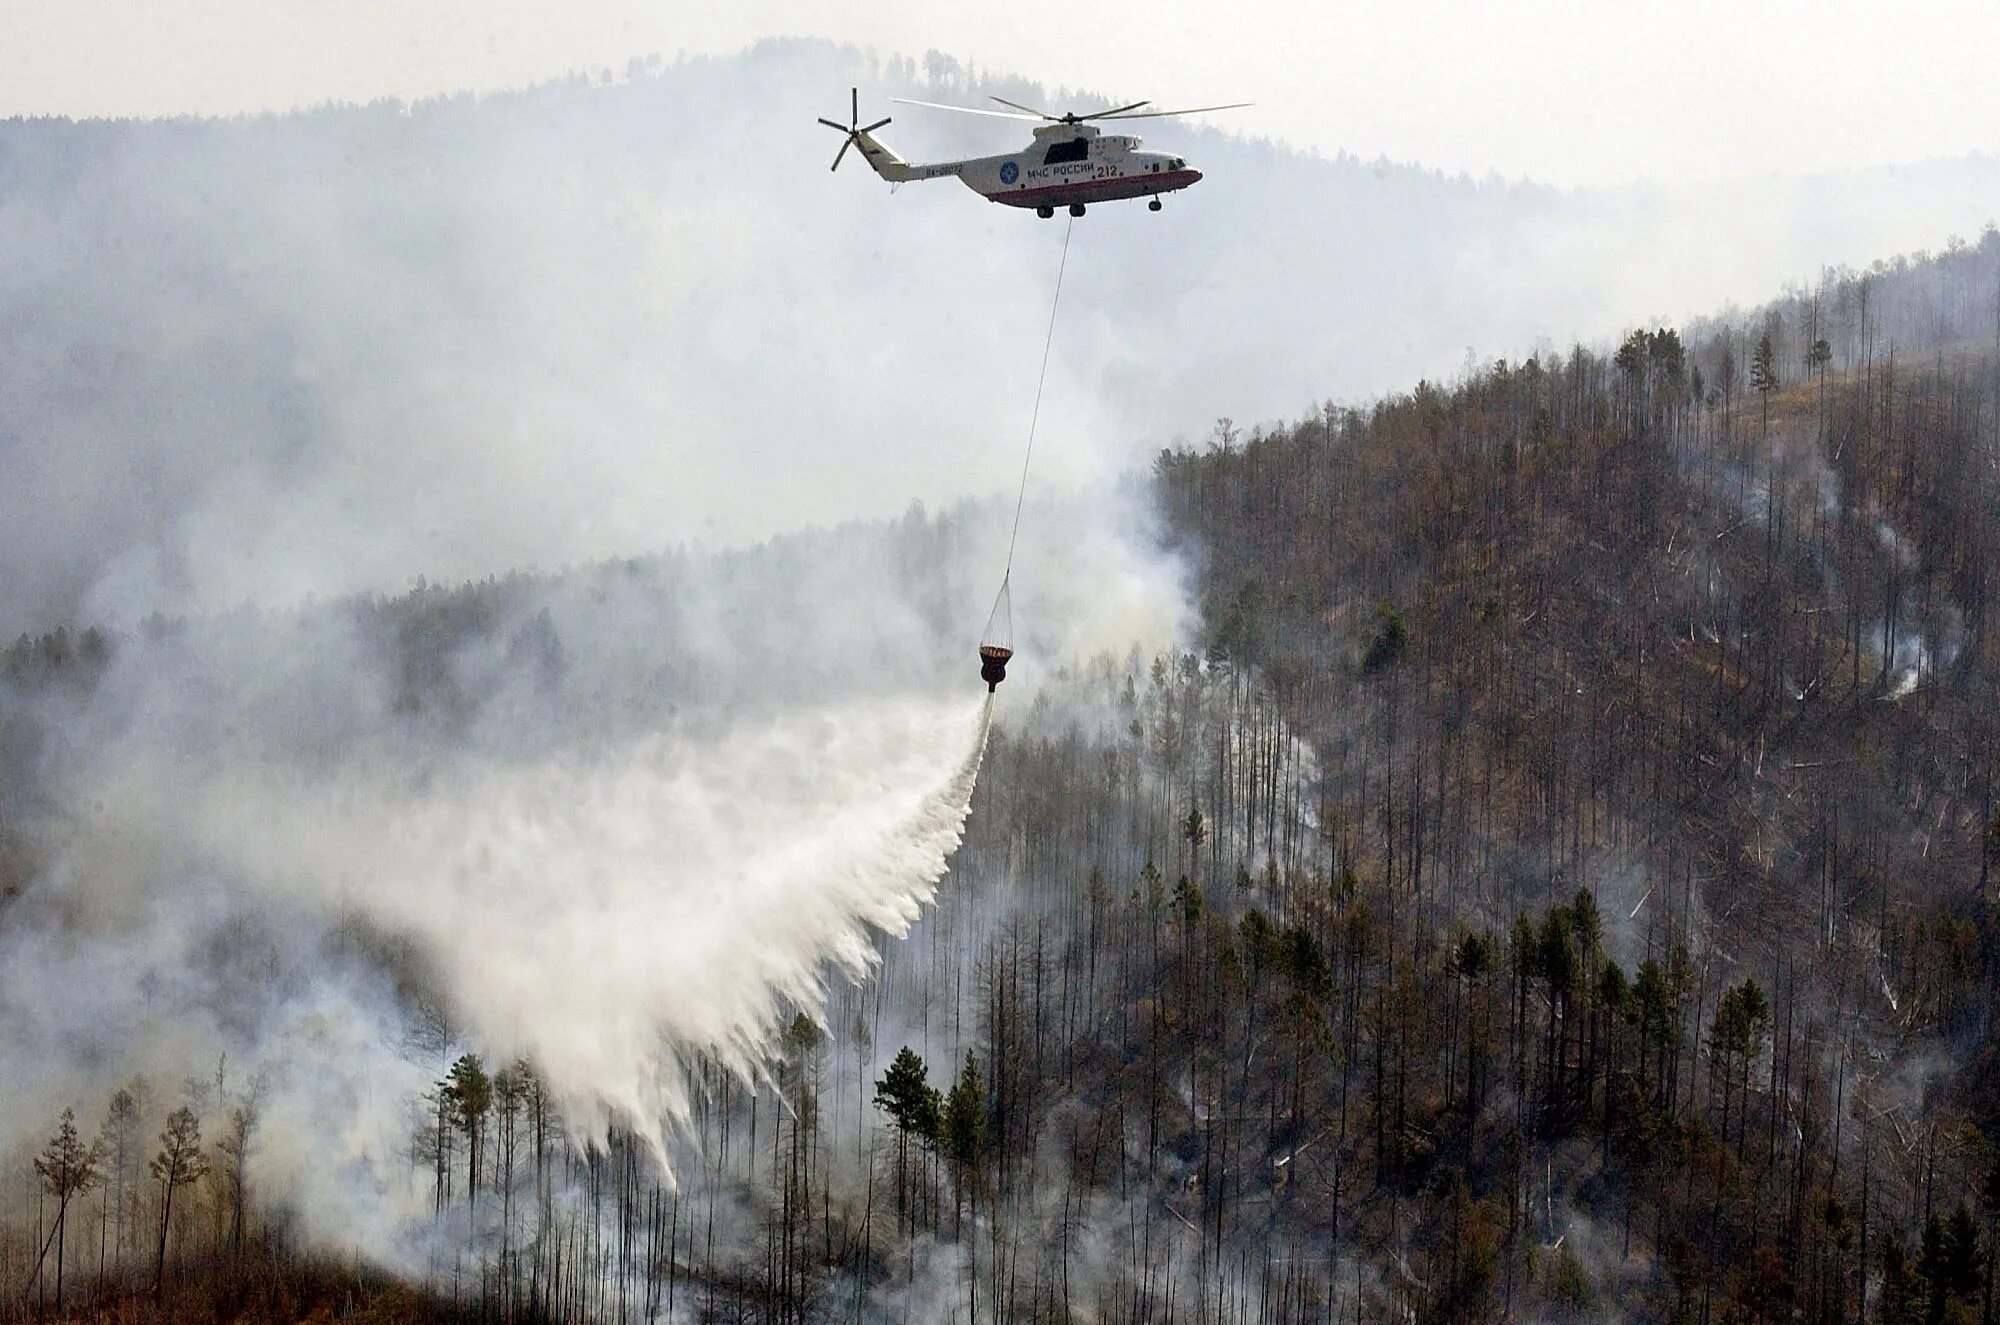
(1179, 164)
(1076, 149)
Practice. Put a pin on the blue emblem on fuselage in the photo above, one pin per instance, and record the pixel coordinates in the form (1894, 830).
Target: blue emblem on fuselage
(1009, 172)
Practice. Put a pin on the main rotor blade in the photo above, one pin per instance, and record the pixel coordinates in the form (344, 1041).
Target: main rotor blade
(970, 110)
(841, 153)
(844, 128)
(1107, 114)
(1155, 114)
(854, 105)
(871, 128)
(1041, 114)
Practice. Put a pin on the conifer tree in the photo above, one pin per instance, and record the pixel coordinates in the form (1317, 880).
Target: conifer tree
(66, 1166)
(469, 1093)
(179, 1162)
(1764, 376)
(1817, 359)
(119, 1142)
(962, 1131)
(906, 1095)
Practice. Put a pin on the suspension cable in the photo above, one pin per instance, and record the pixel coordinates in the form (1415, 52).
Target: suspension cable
(1035, 416)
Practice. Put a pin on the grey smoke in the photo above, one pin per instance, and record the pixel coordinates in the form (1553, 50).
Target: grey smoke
(259, 359)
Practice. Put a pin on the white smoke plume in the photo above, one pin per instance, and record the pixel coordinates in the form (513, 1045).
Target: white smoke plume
(614, 822)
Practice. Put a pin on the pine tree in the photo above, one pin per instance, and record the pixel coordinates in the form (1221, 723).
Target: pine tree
(1902, 1291)
(1764, 376)
(235, 1150)
(1741, 1017)
(469, 1093)
(906, 1095)
(1817, 359)
(179, 1163)
(1194, 829)
(962, 1131)
(118, 1139)
(66, 1166)
(1989, 1202)
(1385, 647)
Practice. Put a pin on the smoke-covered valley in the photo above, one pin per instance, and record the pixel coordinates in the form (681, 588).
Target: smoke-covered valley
(620, 822)
(260, 359)
(1352, 903)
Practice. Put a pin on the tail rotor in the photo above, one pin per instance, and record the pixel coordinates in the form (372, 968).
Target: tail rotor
(854, 128)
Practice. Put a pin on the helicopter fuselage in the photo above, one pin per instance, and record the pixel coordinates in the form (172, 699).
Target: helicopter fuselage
(1069, 165)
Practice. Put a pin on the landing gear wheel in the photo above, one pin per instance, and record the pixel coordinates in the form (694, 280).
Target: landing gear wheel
(1076, 209)
(1153, 206)
(1045, 212)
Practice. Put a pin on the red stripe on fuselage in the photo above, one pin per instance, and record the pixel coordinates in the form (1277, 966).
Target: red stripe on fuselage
(1097, 190)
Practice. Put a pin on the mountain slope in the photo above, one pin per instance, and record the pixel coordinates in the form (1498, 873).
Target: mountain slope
(322, 352)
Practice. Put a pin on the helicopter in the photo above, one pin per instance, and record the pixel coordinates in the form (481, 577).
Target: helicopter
(1071, 164)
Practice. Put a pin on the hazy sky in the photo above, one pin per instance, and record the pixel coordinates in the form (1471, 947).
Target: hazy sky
(1572, 91)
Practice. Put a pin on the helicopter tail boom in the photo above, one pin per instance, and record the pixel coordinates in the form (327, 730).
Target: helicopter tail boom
(883, 161)
(879, 158)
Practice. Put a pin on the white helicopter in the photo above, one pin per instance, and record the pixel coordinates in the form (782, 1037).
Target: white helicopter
(1072, 163)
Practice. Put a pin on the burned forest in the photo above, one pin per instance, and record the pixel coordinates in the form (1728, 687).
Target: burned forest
(1551, 880)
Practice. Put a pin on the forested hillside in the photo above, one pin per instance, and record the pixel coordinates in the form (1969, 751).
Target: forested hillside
(615, 302)
(1554, 886)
